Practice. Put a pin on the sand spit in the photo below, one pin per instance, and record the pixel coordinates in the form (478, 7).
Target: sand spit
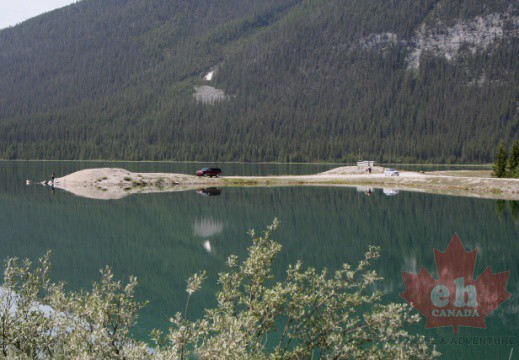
(113, 183)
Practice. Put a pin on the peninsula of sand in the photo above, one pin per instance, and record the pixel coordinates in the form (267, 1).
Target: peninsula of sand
(115, 183)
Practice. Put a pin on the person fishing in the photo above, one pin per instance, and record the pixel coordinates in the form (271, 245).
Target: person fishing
(53, 177)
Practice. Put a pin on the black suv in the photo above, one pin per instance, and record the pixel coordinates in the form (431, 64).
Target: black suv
(209, 172)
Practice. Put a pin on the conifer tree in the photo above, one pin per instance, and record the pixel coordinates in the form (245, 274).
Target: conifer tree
(500, 162)
(513, 161)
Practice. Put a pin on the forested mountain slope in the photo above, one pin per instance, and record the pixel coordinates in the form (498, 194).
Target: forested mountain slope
(288, 80)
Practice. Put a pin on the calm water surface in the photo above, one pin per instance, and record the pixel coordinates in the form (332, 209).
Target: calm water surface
(164, 238)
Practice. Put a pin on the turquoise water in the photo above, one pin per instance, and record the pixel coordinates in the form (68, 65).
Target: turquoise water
(162, 238)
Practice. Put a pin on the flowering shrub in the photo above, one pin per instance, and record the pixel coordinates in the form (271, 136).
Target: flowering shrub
(328, 315)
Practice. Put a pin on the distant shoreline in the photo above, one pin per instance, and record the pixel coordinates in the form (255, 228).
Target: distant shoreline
(116, 183)
(486, 165)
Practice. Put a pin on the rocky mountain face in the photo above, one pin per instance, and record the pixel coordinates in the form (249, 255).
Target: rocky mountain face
(439, 39)
(474, 35)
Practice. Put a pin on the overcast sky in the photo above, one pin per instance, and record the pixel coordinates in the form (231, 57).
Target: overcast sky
(13, 12)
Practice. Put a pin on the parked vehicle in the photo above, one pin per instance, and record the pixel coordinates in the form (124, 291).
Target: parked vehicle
(209, 172)
(391, 172)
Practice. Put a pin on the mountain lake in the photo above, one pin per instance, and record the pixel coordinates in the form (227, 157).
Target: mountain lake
(164, 238)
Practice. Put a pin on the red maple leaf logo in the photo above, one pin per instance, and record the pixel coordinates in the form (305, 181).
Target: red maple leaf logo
(455, 299)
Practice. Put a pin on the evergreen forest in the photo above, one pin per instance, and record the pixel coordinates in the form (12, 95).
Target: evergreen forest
(304, 80)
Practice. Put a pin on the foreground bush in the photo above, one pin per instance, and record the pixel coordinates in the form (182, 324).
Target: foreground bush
(308, 314)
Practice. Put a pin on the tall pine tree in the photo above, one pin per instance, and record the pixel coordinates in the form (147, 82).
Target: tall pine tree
(513, 161)
(500, 162)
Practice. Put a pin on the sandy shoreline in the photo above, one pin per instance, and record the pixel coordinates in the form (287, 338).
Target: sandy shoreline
(115, 183)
